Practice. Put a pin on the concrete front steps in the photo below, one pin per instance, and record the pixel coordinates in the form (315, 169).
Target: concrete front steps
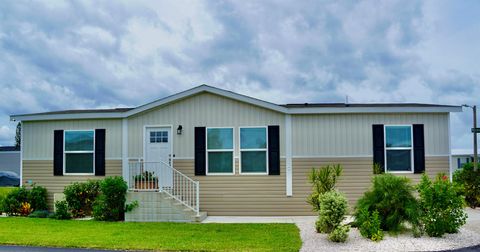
(159, 207)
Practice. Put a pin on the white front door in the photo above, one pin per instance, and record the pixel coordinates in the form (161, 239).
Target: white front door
(158, 147)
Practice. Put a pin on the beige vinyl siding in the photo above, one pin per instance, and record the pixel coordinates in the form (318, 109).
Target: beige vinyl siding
(41, 173)
(332, 135)
(38, 136)
(252, 195)
(357, 173)
(200, 110)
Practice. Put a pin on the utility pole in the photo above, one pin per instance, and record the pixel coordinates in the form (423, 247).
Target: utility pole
(475, 154)
(475, 130)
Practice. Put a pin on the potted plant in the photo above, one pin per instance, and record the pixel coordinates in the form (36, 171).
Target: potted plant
(146, 180)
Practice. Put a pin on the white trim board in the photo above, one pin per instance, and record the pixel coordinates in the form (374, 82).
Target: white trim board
(288, 156)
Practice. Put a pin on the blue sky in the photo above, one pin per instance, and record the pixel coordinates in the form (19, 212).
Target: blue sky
(59, 55)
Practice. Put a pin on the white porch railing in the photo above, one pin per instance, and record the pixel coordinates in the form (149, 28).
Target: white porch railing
(161, 177)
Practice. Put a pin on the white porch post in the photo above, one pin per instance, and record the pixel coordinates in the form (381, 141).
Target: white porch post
(125, 168)
(288, 150)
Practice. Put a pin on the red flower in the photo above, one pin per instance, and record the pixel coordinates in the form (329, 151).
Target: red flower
(444, 177)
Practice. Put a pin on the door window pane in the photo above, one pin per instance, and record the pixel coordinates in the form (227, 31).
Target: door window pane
(79, 140)
(159, 137)
(79, 162)
(253, 138)
(220, 162)
(254, 161)
(399, 160)
(398, 136)
(219, 138)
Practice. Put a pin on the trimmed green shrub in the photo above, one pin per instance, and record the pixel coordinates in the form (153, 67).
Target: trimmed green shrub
(110, 204)
(37, 198)
(333, 207)
(392, 197)
(468, 180)
(441, 206)
(369, 224)
(81, 196)
(339, 234)
(322, 180)
(39, 214)
(14, 202)
(61, 211)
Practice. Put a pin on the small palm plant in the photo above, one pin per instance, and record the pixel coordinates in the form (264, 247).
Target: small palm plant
(323, 180)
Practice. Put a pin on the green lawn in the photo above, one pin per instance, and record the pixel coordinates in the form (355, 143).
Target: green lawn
(149, 236)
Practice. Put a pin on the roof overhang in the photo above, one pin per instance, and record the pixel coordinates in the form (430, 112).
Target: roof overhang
(238, 97)
(378, 109)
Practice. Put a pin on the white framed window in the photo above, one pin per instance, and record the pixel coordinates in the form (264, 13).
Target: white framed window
(253, 150)
(79, 152)
(219, 152)
(398, 148)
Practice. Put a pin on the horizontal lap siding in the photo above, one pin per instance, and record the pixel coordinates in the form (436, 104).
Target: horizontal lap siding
(41, 173)
(357, 174)
(265, 195)
(247, 195)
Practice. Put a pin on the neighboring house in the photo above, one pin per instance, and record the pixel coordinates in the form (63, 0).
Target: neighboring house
(250, 157)
(461, 157)
(10, 159)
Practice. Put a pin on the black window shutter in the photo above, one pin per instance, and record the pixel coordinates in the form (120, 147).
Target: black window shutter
(200, 151)
(58, 152)
(378, 145)
(100, 152)
(418, 148)
(274, 150)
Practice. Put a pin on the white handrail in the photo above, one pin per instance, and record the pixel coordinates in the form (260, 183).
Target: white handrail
(161, 177)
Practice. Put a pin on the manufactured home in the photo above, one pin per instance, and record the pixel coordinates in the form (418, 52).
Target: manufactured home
(213, 151)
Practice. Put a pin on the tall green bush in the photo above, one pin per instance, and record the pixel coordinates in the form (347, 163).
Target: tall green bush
(392, 197)
(468, 180)
(323, 180)
(333, 207)
(80, 197)
(441, 206)
(37, 198)
(110, 204)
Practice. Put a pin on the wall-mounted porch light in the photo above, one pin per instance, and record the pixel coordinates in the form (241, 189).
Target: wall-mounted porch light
(179, 130)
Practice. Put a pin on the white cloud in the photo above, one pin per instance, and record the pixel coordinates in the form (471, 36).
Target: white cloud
(63, 55)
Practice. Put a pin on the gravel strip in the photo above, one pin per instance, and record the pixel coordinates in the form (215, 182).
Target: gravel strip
(313, 241)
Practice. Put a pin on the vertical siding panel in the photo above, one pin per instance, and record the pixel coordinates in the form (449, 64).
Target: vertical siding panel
(202, 109)
(42, 132)
(350, 134)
